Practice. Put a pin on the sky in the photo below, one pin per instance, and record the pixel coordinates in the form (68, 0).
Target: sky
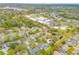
(40, 1)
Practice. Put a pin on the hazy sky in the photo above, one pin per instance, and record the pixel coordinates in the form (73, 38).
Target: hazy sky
(39, 1)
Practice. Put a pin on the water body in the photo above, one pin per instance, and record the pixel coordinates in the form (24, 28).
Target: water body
(20, 5)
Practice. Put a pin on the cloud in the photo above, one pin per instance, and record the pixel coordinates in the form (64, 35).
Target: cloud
(39, 1)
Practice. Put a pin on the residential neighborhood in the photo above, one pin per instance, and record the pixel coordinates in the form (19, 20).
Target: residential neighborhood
(39, 29)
